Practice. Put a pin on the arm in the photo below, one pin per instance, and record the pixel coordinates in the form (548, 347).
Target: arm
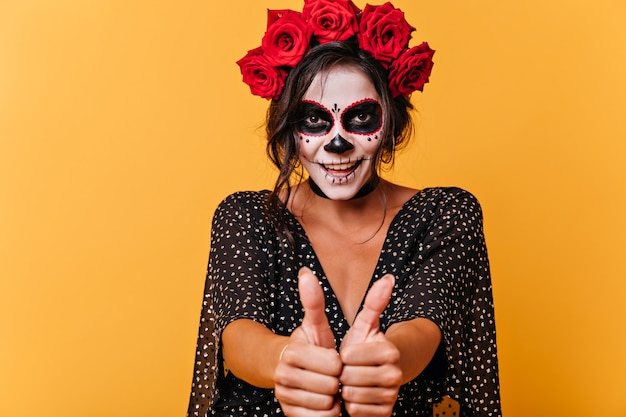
(251, 351)
(416, 340)
(303, 368)
(450, 285)
(377, 364)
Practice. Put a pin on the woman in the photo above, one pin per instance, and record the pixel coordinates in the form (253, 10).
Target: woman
(342, 293)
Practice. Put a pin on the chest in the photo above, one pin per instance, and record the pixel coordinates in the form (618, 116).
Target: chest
(348, 265)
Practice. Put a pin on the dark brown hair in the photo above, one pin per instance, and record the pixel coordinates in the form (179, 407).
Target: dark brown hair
(282, 146)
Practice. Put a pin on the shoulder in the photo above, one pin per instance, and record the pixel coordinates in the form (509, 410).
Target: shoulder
(444, 208)
(243, 205)
(245, 199)
(447, 199)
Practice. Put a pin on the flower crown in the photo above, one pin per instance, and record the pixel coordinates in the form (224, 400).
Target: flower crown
(381, 31)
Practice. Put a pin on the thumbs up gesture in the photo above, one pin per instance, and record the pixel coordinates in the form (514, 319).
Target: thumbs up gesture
(307, 376)
(371, 375)
(315, 327)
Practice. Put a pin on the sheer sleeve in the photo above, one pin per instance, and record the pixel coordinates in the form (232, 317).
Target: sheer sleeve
(448, 281)
(236, 287)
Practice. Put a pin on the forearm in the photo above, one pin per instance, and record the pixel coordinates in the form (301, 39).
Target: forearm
(417, 340)
(251, 351)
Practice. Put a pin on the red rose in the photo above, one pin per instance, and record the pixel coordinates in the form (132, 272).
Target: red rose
(411, 70)
(286, 39)
(331, 20)
(264, 79)
(384, 32)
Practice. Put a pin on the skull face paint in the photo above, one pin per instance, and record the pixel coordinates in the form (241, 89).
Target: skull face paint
(339, 123)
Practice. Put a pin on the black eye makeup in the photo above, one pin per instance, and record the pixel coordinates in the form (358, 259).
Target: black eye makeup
(363, 117)
(313, 119)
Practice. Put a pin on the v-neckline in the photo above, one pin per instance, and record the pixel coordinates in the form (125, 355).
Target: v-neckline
(321, 274)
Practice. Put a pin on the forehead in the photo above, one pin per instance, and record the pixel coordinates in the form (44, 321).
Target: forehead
(341, 86)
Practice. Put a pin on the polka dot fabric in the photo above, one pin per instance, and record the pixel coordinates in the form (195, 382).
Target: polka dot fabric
(434, 247)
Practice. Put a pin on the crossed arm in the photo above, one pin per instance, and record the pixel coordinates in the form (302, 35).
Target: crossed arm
(310, 377)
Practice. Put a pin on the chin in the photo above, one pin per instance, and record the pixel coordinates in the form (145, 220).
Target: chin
(340, 188)
(339, 184)
(341, 192)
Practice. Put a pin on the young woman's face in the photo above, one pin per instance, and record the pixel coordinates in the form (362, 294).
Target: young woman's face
(339, 125)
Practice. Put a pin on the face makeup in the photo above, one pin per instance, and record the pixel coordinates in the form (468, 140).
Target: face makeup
(339, 123)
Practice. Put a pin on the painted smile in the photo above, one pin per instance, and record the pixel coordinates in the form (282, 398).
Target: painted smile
(341, 167)
(341, 170)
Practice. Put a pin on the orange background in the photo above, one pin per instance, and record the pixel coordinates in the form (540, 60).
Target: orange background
(124, 123)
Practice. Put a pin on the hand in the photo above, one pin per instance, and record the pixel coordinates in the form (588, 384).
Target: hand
(371, 375)
(307, 375)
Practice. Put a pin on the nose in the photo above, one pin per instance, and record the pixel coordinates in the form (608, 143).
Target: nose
(338, 145)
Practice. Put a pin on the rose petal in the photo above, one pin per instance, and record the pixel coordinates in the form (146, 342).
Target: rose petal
(384, 32)
(331, 20)
(287, 38)
(264, 79)
(411, 70)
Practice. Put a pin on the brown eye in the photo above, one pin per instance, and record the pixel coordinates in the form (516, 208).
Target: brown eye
(315, 125)
(363, 118)
(313, 119)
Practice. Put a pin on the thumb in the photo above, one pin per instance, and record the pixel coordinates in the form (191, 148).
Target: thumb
(315, 323)
(367, 322)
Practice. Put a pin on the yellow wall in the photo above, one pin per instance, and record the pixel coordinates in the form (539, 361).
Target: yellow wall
(123, 123)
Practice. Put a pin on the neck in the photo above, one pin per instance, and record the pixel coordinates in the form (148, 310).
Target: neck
(362, 218)
(367, 188)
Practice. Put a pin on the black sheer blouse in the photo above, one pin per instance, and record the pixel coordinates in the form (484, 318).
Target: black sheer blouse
(435, 249)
